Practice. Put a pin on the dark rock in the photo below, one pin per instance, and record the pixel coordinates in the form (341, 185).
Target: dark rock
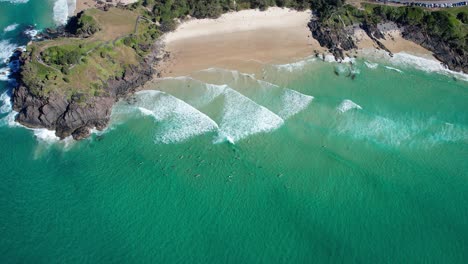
(454, 59)
(335, 38)
(77, 116)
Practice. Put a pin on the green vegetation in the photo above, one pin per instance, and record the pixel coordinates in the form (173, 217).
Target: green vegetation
(62, 55)
(82, 66)
(447, 25)
(164, 11)
(109, 42)
(87, 25)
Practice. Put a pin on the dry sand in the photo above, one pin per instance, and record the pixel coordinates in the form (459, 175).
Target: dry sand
(242, 41)
(393, 41)
(248, 39)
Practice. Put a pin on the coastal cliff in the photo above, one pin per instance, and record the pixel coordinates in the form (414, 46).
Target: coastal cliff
(76, 116)
(69, 83)
(441, 32)
(454, 59)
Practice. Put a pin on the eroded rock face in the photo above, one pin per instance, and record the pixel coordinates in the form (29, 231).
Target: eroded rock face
(456, 60)
(72, 118)
(336, 39)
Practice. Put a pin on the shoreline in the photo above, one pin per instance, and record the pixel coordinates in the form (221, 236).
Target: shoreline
(243, 41)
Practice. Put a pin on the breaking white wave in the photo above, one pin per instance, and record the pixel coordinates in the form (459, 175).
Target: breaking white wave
(298, 65)
(6, 50)
(403, 59)
(393, 69)
(225, 74)
(9, 120)
(293, 102)
(406, 131)
(424, 64)
(237, 115)
(331, 58)
(60, 12)
(10, 27)
(371, 65)
(287, 104)
(5, 103)
(4, 73)
(177, 120)
(347, 105)
(192, 91)
(31, 33)
(15, 1)
(282, 101)
(45, 135)
(243, 117)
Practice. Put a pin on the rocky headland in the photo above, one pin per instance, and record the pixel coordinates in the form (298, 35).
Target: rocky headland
(74, 93)
(69, 81)
(441, 32)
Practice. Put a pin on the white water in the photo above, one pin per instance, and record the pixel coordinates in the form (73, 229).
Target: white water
(404, 131)
(347, 105)
(393, 69)
(10, 27)
(406, 60)
(371, 65)
(4, 73)
(282, 101)
(5, 103)
(6, 50)
(177, 121)
(242, 117)
(294, 66)
(32, 33)
(60, 12)
(15, 1)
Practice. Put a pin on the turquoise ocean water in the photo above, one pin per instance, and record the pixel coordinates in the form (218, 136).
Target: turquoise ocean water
(303, 164)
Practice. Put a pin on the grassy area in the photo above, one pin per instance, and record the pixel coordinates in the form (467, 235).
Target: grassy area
(115, 23)
(80, 67)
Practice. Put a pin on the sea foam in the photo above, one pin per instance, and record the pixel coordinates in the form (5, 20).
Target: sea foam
(407, 131)
(282, 101)
(243, 117)
(404, 60)
(5, 103)
(6, 50)
(237, 115)
(15, 1)
(393, 69)
(371, 65)
(294, 66)
(10, 27)
(177, 121)
(60, 12)
(4, 73)
(347, 105)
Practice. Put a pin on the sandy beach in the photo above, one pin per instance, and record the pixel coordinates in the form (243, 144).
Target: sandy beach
(393, 41)
(248, 39)
(242, 40)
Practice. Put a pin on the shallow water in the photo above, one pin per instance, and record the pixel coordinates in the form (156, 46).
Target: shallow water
(296, 165)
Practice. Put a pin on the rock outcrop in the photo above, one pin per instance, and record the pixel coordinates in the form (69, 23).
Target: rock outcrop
(454, 59)
(336, 38)
(77, 116)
